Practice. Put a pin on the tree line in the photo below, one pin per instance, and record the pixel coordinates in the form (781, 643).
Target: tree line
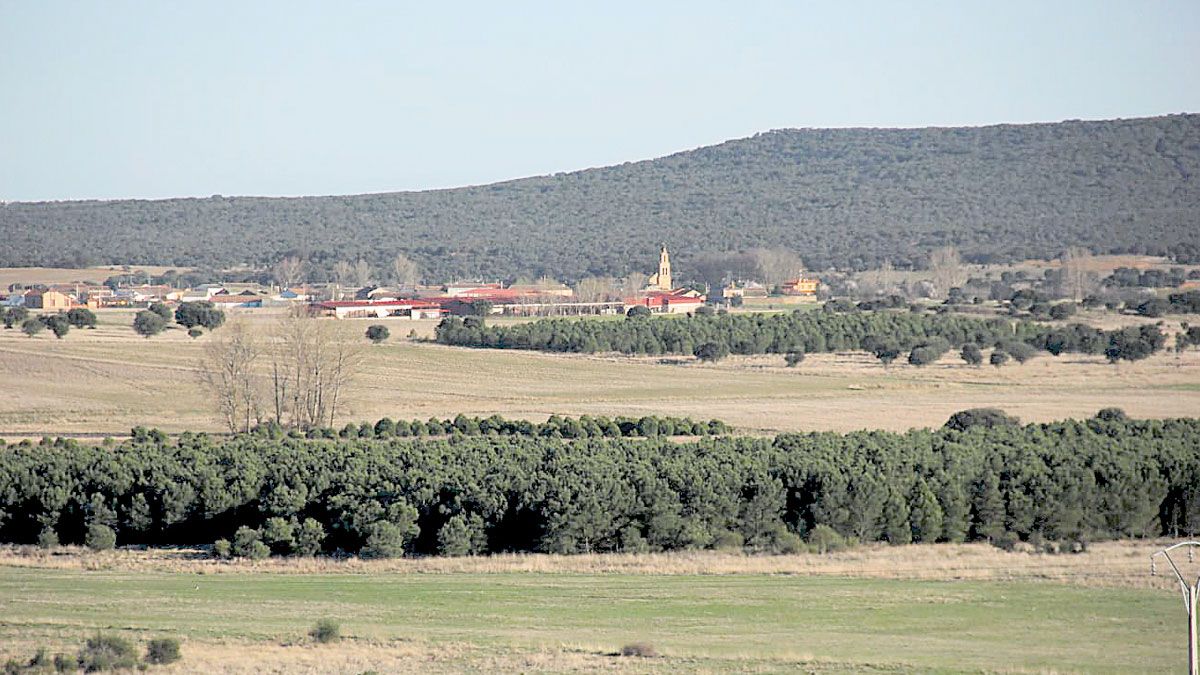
(981, 477)
(846, 198)
(838, 327)
(586, 426)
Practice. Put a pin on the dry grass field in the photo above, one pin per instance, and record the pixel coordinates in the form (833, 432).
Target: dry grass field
(105, 381)
(943, 608)
(66, 275)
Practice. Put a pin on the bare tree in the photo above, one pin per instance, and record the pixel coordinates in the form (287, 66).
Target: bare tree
(947, 270)
(405, 272)
(594, 289)
(227, 370)
(288, 272)
(633, 283)
(362, 273)
(776, 266)
(312, 363)
(1078, 277)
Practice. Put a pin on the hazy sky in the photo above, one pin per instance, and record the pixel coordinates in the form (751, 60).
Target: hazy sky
(160, 99)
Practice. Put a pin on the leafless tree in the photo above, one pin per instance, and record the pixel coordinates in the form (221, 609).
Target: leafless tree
(363, 275)
(946, 268)
(312, 363)
(405, 272)
(227, 370)
(1078, 277)
(776, 266)
(288, 272)
(594, 289)
(633, 283)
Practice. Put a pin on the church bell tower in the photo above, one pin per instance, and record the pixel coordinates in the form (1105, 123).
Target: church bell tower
(663, 279)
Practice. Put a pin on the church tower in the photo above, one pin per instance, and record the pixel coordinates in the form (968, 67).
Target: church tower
(662, 280)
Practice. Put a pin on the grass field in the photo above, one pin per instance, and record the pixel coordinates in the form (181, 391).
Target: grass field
(105, 381)
(401, 618)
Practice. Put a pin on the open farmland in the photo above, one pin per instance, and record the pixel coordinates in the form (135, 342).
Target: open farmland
(105, 381)
(536, 613)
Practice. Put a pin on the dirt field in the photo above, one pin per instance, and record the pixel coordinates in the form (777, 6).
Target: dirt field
(61, 275)
(105, 381)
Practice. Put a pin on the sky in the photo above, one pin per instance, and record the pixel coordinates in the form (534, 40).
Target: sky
(107, 100)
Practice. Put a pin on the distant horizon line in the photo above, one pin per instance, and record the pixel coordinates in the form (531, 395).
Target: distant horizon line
(858, 127)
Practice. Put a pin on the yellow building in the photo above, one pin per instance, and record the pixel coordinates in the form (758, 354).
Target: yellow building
(662, 281)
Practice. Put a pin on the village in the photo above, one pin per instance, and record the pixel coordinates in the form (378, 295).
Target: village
(659, 295)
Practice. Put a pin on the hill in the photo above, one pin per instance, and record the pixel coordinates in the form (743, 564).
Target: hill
(838, 197)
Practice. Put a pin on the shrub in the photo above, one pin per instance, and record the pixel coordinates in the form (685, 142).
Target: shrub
(223, 549)
(64, 664)
(1006, 541)
(107, 652)
(794, 358)
(378, 333)
(279, 534)
(199, 313)
(1112, 415)
(386, 540)
(47, 538)
(637, 311)
(162, 651)
(711, 351)
(148, 323)
(825, 539)
(326, 631)
(195, 333)
(727, 540)
(998, 358)
(81, 317)
(32, 327)
(972, 354)
(247, 543)
(641, 649)
(989, 418)
(309, 537)
(100, 537)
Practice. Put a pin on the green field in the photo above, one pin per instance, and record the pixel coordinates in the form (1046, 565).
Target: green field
(506, 620)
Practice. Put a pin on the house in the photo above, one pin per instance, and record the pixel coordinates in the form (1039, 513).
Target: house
(202, 292)
(666, 302)
(800, 286)
(241, 300)
(369, 309)
(48, 300)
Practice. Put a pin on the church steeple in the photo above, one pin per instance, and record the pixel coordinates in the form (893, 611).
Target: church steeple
(663, 279)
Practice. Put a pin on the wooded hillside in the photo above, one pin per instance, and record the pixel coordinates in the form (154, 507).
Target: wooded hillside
(844, 197)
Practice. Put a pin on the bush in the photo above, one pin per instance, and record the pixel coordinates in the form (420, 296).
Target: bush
(794, 358)
(972, 354)
(107, 652)
(326, 631)
(65, 664)
(989, 418)
(148, 323)
(1112, 415)
(824, 539)
(641, 649)
(81, 318)
(637, 311)
(998, 358)
(279, 534)
(162, 651)
(247, 543)
(47, 538)
(223, 549)
(32, 327)
(726, 540)
(378, 333)
(100, 537)
(195, 333)
(386, 540)
(200, 313)
(711, 351)
(1006, 541)
(309, 538)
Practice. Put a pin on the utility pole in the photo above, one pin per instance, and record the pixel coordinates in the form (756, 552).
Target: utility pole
(1190, 593)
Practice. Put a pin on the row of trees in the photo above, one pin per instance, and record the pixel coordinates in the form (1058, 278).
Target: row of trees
(982, 477)
(886, 334)
(587, 426)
